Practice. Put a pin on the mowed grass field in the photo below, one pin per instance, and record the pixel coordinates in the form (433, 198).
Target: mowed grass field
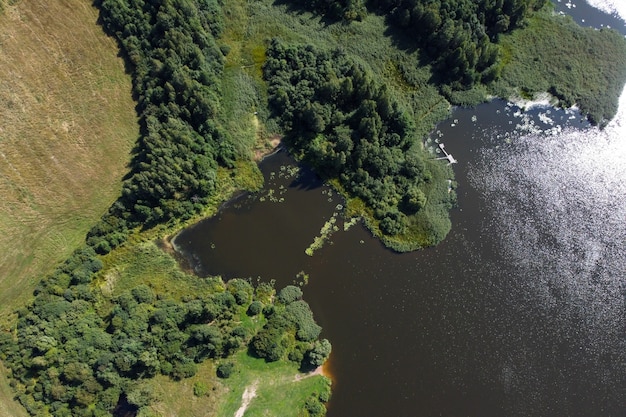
(67, 126)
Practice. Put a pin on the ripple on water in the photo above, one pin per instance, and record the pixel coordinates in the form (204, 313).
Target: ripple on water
(558, 204)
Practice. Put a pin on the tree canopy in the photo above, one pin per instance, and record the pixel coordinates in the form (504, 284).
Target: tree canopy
(77, 353)
(351, 128)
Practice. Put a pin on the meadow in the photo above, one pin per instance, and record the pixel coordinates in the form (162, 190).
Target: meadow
(68, 125)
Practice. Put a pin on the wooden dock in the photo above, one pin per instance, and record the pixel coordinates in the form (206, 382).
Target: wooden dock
(447, 156)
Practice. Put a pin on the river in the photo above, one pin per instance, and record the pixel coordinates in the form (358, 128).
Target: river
(521, 311)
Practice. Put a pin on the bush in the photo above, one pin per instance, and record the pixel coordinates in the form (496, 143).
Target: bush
(319, 353)
(393, 223)
(289, 294)
(185, 369)
(241, 290)
(225, 369)
(200, 389)
(314, 407)
(255, 308)
(300, 313)
(143, 294)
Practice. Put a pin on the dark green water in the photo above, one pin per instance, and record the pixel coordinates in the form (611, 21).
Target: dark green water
(521, 311)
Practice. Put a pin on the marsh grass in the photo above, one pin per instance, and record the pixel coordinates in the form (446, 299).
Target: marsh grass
(146, 263)
(581, 66)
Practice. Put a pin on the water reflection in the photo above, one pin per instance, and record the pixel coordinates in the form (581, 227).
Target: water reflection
(521, 311)
(558, 214)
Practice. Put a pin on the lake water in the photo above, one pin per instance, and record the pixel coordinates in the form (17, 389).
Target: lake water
(521, 311)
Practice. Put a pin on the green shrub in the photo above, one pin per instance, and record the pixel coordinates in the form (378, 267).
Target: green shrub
(200, 389)
(255, 308)
(289, 294)
(225, 369)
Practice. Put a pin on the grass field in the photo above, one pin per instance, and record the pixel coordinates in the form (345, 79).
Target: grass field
(279, 389)
(67, 125)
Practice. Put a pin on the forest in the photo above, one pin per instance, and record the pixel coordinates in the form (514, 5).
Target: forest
(176, 68)
(356, 116)
(80, 353)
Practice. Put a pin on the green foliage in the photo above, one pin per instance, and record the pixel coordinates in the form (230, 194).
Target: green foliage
(255, 308)
(225, 369)
(301, 315)
(289, 294)
(143, 294)
(350, 128)
(355, 114)
(76, 349)
(579, 66)
(176, 67)
(140, 396)
(345, 10)
(314, 407)
(459, 36)
(242, 290)
(290, 331)
(318, 353)
(200, 389)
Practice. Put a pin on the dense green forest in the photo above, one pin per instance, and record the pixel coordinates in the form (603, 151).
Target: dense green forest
(176, 68)
(352, 86)
(79, 352)
(349, 127)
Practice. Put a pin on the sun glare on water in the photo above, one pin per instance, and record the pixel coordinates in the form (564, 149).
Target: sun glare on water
(616, 7)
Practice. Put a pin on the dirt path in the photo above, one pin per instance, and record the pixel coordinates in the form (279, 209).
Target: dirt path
(248, 394)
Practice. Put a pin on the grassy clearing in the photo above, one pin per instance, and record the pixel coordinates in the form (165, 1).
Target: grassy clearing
(177, 398)
(278, 390)
(68, 124)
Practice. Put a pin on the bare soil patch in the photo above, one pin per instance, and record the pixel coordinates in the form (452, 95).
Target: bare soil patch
(248, 394)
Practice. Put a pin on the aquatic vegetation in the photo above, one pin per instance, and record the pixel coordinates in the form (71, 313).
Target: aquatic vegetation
(325, 233)
(347, 225)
